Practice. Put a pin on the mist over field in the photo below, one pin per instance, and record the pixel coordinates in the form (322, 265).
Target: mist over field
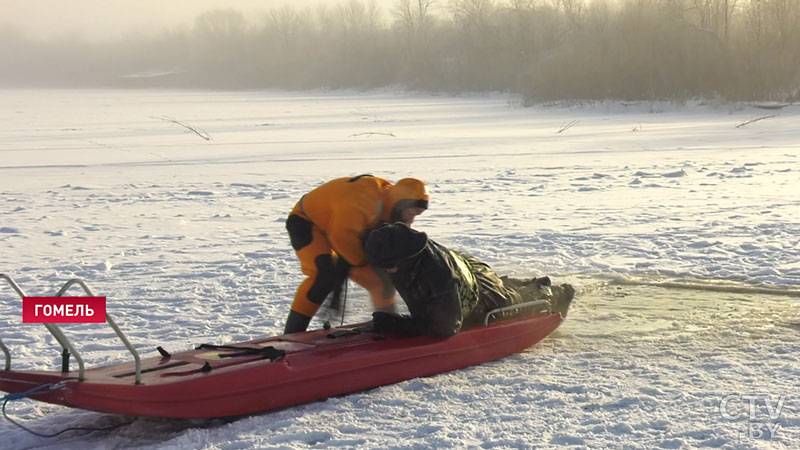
(543, 50)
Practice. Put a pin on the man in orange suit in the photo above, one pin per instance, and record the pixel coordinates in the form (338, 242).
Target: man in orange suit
(327, 228)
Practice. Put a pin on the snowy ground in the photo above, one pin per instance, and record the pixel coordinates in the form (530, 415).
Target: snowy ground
(632, 204)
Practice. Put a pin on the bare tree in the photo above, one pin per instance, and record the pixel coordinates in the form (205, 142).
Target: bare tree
(221, 23)
(543, 49)
(573, 10)
(472, 15)
(713, 15)
(414, 16)
(287, 23)
(358, 16)
(785, 15)
(220, 46)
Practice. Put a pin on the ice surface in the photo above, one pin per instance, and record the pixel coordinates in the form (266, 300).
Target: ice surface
(186, 239)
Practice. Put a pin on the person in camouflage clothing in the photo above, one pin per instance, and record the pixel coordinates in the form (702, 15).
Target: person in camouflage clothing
(445, 290)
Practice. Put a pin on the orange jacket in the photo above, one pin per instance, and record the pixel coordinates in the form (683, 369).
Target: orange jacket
(345, 208)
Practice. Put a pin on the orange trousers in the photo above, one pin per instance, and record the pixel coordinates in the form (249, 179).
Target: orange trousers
(318, 261)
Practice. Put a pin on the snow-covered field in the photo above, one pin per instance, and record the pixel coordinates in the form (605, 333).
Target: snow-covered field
(632, 204)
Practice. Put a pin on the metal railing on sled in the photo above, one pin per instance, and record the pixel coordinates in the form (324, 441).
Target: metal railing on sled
(66, 346)
(542, 305)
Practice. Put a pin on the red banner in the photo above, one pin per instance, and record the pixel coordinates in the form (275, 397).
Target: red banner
(63, 309)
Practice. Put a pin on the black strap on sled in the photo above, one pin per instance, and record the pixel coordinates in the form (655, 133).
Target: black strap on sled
(271, 353)
(348, 332)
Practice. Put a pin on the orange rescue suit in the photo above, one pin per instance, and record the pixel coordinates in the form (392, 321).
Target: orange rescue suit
(328, 224)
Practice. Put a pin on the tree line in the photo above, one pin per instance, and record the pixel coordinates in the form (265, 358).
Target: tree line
(543, 50)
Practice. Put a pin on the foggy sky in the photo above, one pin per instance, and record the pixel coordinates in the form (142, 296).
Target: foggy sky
(543, 51)
(110, 19)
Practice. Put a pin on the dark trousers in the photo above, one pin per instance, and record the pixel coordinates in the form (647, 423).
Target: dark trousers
(492, 294)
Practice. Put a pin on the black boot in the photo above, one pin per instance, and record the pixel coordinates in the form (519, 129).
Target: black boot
(542, 281)
(296, 323)
(391, 309)
(562, 298)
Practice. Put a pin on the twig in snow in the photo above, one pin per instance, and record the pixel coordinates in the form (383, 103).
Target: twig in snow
(370, 134)
(196, 130)
(567, 126)
(748, 122)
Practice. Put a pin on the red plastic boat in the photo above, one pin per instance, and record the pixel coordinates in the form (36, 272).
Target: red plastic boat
(277, 372)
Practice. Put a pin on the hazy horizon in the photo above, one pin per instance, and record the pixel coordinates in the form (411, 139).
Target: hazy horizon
(543, 50)
(102, 20)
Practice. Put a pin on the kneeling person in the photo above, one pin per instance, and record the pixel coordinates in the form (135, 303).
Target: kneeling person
(444, 290)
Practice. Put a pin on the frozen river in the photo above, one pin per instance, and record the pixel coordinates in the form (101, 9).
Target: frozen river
(678, 225)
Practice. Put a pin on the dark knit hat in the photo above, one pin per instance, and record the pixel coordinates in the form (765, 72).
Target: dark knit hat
(388, 245)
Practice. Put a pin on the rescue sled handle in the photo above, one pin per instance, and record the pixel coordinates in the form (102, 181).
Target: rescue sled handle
(544, 303)
(16, 287)
(63, 340)
(111, 323)
(7, 355)
(53, 329)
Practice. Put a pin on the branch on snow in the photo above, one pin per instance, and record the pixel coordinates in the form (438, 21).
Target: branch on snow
(748, 122)
(567, 126)
(196, 130)
(370, 134)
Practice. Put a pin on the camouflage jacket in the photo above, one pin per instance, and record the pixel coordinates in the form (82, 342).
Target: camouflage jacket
(439, 288)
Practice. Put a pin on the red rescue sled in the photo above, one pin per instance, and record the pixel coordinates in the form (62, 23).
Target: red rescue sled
(270, 373)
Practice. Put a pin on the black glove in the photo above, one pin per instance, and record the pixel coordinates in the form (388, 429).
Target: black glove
(392, 323)
(385, 322)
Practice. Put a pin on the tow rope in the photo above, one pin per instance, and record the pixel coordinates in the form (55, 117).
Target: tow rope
(48, 387)
(344, 301)
(338, 302)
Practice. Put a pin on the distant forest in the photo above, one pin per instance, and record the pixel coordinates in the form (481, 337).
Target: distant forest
(544, 50)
